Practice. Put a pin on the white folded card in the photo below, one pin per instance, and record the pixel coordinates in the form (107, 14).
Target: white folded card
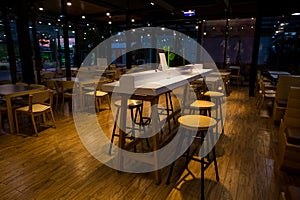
(163, 61)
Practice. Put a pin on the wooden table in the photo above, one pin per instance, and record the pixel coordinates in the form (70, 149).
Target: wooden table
(149, 85)
(10, 91)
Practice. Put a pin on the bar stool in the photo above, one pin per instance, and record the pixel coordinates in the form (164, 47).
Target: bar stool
(170, 110)
(203, 106)
(132, 105)
(217, 97)
(201, 124)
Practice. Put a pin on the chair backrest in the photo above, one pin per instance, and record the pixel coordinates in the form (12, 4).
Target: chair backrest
(291, 116)
(51, 84)
(42, 97)
(37, 86)
(235, 70)
(67, 85)
(21, 83)
(100, 83)
(47, 75)
(283, 86)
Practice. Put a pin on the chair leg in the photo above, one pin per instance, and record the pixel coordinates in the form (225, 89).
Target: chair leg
(17, 122)
(34, 125)
(53, 119)
(108, 101)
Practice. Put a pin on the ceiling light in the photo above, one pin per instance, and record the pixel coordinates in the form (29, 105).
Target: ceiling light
(69, 2)
(109, 22)
(197, 27)
(152, 3)
(82, 17)
(107, 14)
(41, 8)
(189, 13)
(132, 20)
(204, 33)
(296, 14)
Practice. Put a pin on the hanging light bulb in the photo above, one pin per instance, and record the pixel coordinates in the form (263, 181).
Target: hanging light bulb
(69, 2)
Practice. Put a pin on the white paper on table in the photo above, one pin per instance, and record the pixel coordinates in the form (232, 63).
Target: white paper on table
(163, 61)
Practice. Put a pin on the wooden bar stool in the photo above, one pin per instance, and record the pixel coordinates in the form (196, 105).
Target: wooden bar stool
(136, 112)
(217, 97)
(169, 109)
(203, 106)
(201, 124)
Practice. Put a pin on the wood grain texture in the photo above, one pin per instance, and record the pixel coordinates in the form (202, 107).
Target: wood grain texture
(56, 165)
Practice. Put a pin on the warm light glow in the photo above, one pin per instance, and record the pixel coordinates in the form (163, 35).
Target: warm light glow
(107, 14)
(83, 17)
(152, 3)
(109, 22)
(296, 14)
(132, 20)
(41, 8)
(69, 3)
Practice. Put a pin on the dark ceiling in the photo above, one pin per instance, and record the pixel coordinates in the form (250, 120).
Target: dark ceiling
(163, 10)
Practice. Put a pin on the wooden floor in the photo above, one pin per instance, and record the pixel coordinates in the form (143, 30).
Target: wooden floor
(56, 165)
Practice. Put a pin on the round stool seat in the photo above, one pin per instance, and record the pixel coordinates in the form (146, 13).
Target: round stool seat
(214, 94)
(202, 104)
(131, 103)
(196, 122)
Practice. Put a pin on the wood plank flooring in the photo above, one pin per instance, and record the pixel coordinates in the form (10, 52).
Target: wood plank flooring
(56, 165)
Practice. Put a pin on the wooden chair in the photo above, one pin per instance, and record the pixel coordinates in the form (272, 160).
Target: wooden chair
(264, 94)
(52, 84)
(40, 103)
(99, 95)
(289, 134)
(67, 91)
(235, 74)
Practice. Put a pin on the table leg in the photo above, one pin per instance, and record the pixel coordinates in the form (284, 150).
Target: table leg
(10, 115)
(155, 125)
(122, 128)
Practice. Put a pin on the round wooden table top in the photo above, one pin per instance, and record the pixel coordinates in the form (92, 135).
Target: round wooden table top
(196, 121)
